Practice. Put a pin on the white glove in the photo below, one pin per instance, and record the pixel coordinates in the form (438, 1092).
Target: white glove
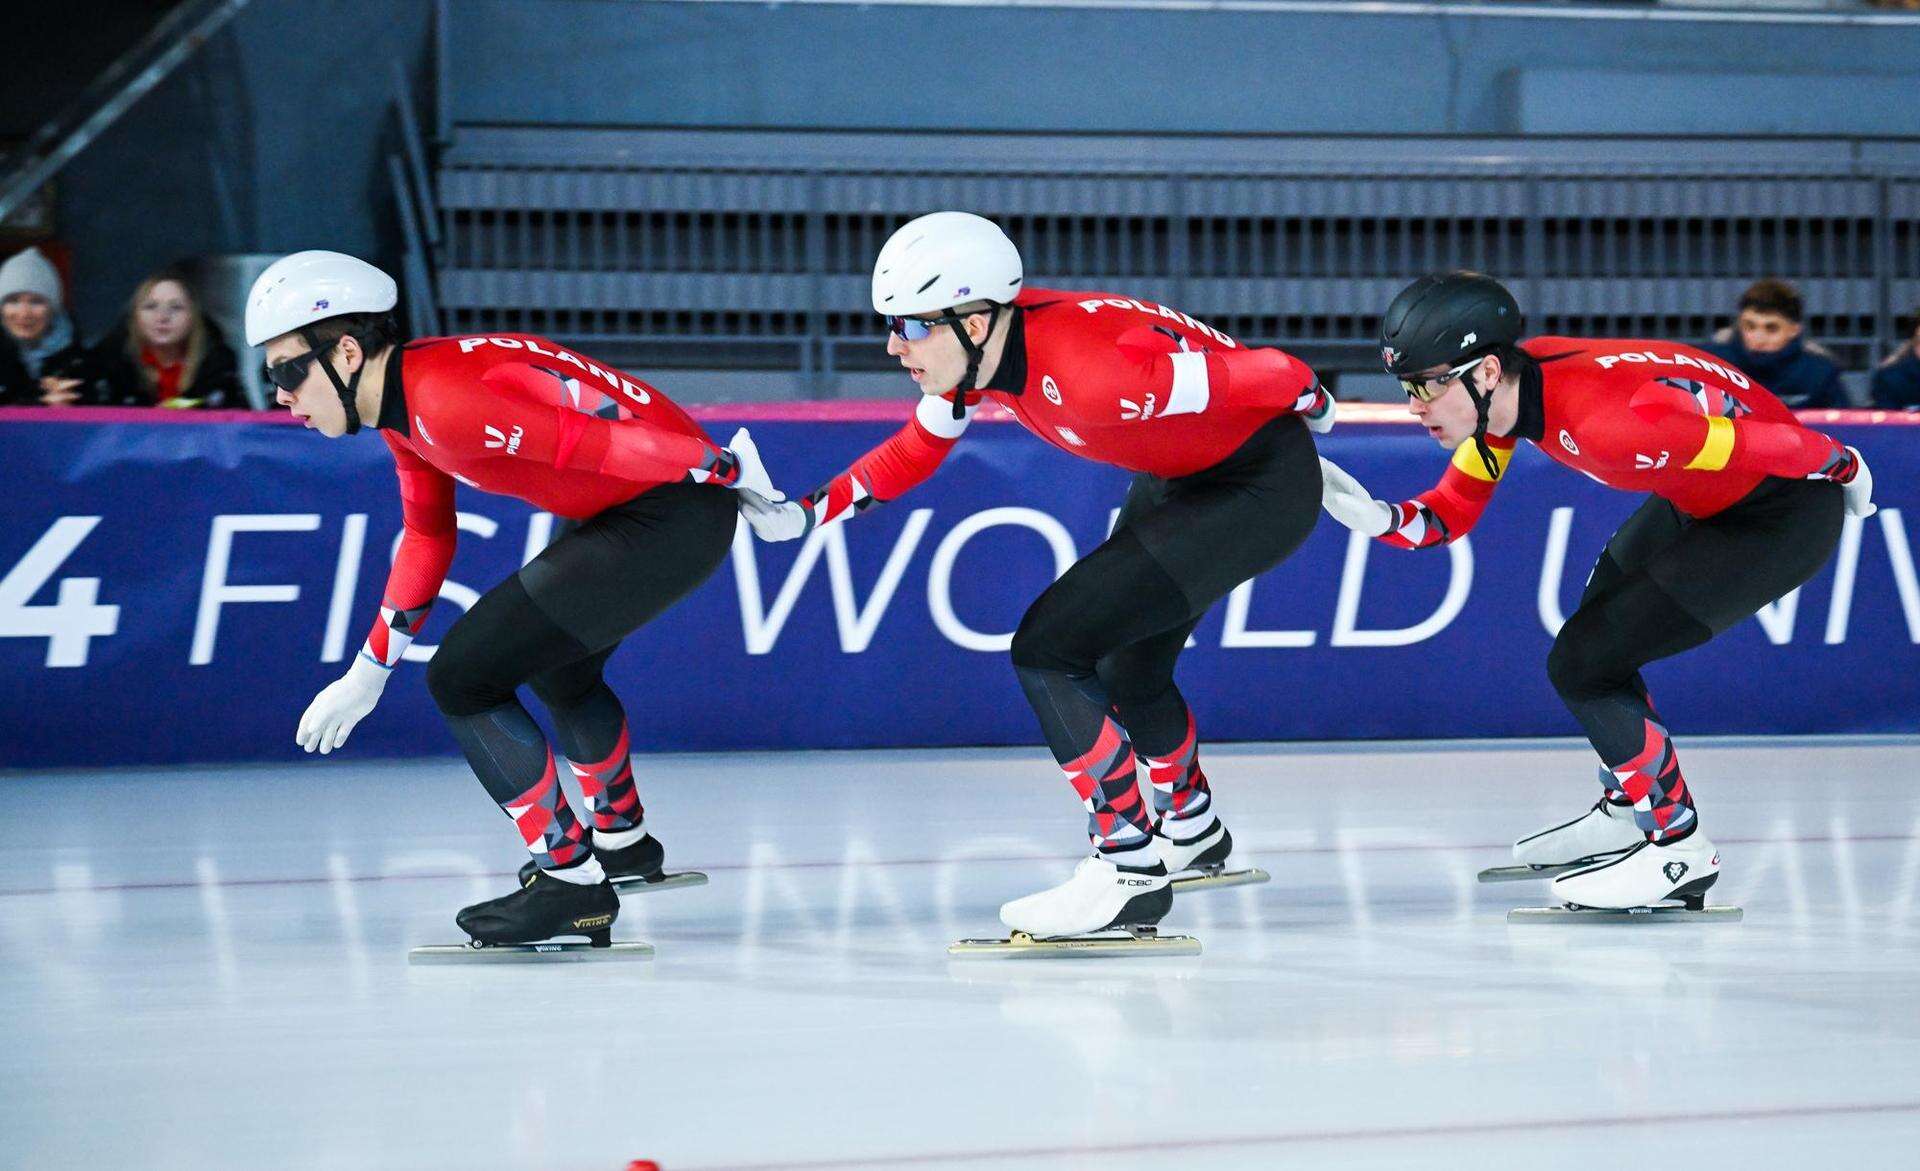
(1321, 421)
(753, 479)
(775, 520)
(340, 705)
(1859, 490)
(1351, 504)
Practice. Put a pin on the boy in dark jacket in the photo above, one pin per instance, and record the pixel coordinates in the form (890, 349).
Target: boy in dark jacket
(1766, 342)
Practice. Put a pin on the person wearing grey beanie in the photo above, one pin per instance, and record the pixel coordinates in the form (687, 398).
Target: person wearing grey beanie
(41, 360)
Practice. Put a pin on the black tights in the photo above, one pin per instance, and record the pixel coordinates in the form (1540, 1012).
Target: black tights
(1105, 637)
(1665, 583)
(554, 624)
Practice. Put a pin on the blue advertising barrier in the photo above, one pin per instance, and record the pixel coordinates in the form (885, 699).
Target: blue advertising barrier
(177, 591)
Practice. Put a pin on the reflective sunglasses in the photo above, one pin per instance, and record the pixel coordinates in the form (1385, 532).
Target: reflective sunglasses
(288, 375)
(917, 329)
(1427, 389)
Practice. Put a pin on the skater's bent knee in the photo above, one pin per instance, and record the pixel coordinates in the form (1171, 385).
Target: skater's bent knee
(1042, 643)
(1616, 632)
(1583, 664)
(460, 687)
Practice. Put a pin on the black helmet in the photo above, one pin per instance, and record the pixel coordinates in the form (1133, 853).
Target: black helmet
(1444, 319)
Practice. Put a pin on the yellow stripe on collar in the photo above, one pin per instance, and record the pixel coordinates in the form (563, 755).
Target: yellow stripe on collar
(1466, 458)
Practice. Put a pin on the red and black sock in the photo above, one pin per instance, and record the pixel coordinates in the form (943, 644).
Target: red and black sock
(1651, 780)
(612, 798)
(1105, 778)
(1180, 789)
(511, 758)
(554, 836)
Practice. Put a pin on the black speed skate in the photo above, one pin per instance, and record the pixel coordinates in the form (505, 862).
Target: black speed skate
(544, 907)
(640, 866)
(528, 924)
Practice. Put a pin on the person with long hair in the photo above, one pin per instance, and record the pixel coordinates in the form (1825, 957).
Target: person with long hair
(166, 353)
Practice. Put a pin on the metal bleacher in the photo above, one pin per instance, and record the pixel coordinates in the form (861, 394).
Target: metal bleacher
(750, 250)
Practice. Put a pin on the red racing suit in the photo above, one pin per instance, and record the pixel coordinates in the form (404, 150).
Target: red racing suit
(1641, 416)
(520, 416)
(1112, 379)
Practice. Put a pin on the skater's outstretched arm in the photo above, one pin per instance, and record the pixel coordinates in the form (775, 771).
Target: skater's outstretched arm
(887, 472)
(1444, 513)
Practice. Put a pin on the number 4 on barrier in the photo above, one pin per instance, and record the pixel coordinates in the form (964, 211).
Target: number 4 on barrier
(75, 617)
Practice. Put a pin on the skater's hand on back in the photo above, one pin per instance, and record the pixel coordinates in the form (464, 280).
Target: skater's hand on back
(754, 481)
(768, 511)
(1320, 415)
(1858, 487)
(1350, 503)
(340, 705)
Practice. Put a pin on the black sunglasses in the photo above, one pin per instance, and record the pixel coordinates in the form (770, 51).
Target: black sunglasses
(288, 375)
(915, 329)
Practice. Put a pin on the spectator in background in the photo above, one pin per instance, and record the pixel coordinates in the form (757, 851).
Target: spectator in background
(41, 363)
(1766, 342)
(166, 353)
(1896, 383)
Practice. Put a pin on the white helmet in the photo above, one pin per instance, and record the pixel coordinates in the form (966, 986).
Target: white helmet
(945, 259)
(306, 287)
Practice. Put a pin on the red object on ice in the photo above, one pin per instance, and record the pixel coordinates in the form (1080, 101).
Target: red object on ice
(643, 1165)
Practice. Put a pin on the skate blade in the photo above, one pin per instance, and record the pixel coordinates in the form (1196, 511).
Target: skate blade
(1528, 873)
(635, 884)
(1213, 878)
(1020, 945)
(1664, 913)
(527, 953)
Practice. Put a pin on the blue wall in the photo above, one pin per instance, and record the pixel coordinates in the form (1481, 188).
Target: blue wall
(1384, 69)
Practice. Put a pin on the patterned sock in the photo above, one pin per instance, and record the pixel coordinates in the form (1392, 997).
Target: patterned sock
(1105, 779)
(505, 748)
(612, 798)
(1662, 804)
(553, 835)
(1616, 795)
(1180, 789)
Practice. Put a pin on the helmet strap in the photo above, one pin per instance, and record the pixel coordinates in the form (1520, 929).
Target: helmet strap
(1482, 404)
(345, 389)
(974, 354)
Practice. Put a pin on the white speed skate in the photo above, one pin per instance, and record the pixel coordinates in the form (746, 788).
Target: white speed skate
(1196, 856)
(1605, 831)
(1101, 909)
(1650, 879)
